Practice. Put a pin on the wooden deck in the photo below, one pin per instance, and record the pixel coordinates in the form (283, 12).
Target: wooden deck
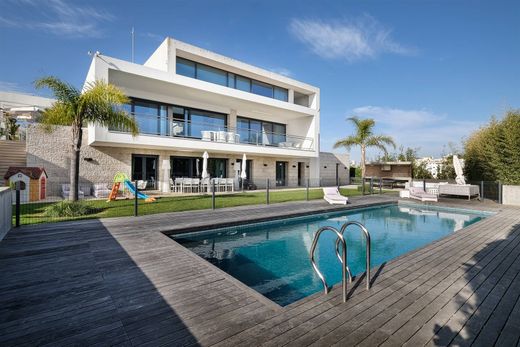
(121, 281)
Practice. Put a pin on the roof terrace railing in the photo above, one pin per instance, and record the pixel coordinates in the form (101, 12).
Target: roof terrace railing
(217, 132)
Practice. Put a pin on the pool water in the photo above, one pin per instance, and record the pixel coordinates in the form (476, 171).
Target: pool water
(273, 257)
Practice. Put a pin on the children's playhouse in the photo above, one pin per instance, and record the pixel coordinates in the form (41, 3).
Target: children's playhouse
(33, 181)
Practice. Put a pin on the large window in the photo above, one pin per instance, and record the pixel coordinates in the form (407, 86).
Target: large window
(151, 117)
(262, 89)
(201, 121)
(185, 67)
(191, 167)
(213, 75)
(210, 74)
(256, 131)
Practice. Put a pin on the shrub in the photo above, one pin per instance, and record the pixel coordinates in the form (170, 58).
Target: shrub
(69, 209)
(493, 152)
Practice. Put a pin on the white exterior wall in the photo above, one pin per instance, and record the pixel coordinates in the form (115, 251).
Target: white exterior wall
(156, 80)
(6, 206)
(511, 195)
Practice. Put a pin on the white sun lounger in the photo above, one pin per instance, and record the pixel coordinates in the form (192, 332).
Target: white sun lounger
(420, 194)
(332, 196)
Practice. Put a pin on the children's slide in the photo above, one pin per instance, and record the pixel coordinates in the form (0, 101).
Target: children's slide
(140, 195)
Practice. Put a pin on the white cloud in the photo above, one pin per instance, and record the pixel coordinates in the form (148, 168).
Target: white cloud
(58, 17)
(422, 129)
(152, 36)
(12, 87)
(352, 40)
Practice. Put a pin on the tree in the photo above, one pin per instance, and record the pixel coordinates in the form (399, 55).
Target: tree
(11, 128)
(419, 171)
(447, 170)
(492, 152)
(365, 138)
(99, 103)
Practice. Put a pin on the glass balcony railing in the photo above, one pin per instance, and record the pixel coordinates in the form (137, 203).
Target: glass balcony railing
(214, 131)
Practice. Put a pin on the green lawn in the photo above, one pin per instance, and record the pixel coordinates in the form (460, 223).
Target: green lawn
(33, 213)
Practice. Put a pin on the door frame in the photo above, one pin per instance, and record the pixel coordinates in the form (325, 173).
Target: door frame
(156, 179)
(284, 180)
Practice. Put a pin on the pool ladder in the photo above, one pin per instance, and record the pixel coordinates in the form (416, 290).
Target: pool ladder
(343, 256)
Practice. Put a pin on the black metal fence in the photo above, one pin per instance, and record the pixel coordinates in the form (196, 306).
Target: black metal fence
(35, 202)
(44, 202)
(488, 190)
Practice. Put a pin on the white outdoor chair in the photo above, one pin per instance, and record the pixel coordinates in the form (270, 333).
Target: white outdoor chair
(204, 184)
(141, 184)
(177, 187)
(222, 136)
(230, 184)
(195, 185)
(206, 135)
(332, 196)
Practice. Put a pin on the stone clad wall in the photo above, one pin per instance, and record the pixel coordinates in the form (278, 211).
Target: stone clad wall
(328, 163)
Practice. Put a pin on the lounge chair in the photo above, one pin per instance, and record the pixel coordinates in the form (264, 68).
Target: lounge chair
(332, 196)
(101, 190)
(65, 190)
(420, 194)
(460, 190)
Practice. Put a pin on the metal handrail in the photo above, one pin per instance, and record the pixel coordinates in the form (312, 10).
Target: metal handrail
(368, 248)
(344, 259)
(164, 127)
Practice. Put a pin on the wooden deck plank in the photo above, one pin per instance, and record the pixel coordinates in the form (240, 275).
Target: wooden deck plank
(122, 282)
(404, 283)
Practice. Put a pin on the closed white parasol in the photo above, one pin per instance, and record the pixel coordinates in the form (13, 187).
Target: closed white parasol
(243, 173)
(458, 170)
(205, 157)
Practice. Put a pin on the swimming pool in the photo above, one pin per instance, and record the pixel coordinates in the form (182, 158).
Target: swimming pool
(273, 257)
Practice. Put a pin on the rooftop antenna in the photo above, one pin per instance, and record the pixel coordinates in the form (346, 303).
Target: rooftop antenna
(133, 43)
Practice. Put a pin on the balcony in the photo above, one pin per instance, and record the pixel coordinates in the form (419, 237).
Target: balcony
(215, 131)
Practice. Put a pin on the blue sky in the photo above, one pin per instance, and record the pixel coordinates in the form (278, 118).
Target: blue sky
(429, 72)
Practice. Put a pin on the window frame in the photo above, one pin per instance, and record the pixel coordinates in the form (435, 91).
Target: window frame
(233, 76)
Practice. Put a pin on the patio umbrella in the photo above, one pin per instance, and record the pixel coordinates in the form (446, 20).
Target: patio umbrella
(457, 165)
(243, 173)
(205, 156)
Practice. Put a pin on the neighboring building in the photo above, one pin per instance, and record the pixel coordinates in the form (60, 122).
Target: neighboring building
(436, 165)
(188, 100)
(397, 170)
(25, 109)
(432, 165)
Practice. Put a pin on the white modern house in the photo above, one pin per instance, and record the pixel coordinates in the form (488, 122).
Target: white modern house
(188, 100)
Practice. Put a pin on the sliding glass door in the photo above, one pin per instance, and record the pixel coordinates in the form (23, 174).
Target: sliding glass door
(281, 173)
(144, 167)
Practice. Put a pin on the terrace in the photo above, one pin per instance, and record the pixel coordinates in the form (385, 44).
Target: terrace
(122, 280)
(218, 131)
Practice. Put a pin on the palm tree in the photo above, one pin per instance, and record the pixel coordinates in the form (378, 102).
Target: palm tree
(98, 103)
(364, 138)
(11, 128)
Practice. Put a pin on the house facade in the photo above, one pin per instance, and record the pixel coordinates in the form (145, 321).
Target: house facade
(188, 100)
